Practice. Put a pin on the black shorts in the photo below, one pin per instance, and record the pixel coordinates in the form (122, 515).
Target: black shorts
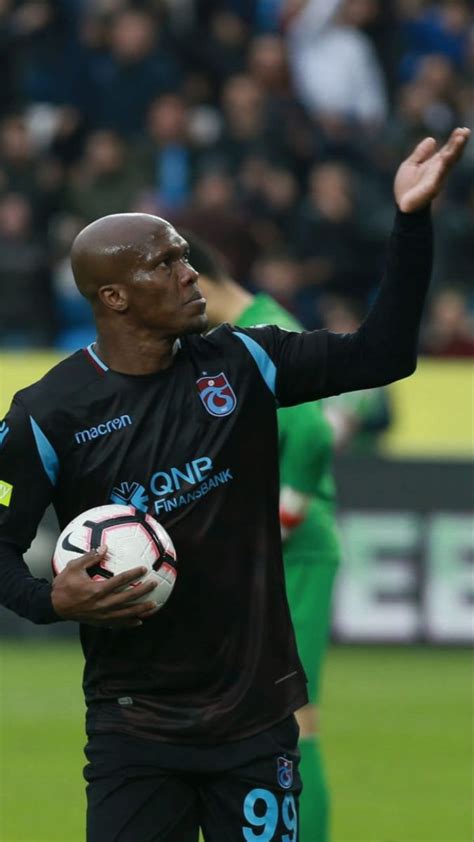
(146, 791)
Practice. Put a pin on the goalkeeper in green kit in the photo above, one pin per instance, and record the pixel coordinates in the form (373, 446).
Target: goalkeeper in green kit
(307, 517)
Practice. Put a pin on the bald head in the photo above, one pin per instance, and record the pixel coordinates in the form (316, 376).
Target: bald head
(134, 269)
(109, 249)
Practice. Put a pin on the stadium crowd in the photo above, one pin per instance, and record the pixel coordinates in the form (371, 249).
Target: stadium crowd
(272, 128)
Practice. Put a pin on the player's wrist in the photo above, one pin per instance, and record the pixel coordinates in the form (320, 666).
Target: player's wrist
(45, 611)
(57, 606)
(414, 222)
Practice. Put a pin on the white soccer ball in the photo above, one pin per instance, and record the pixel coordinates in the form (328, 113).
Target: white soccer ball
(132, 539)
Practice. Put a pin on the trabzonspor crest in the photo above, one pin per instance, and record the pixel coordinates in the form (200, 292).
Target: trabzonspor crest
(217, 395)
(285, 772)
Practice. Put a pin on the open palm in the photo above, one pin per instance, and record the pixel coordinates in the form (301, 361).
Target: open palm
(420, 178)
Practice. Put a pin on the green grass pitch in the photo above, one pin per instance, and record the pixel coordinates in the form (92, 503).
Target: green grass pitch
(396, 734)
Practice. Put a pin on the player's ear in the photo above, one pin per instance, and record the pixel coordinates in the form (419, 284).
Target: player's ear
(114, 296)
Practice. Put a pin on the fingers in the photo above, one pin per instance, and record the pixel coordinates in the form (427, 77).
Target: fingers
(453, 149)
(122, 580)
(111, 602)
(83, 562)
(423, 151)
(127, 597)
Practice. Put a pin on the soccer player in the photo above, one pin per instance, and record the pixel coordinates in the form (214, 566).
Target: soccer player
(190, 711)
(307, 519)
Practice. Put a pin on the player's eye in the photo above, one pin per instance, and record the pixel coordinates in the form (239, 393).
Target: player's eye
(165, 264)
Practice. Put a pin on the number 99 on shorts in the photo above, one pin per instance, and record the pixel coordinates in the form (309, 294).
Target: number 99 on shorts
(265, 821)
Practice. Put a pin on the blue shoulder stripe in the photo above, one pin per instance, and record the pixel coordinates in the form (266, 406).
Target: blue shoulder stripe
(46, 452)
(265, 365)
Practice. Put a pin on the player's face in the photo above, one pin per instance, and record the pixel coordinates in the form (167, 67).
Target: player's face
(163, 293)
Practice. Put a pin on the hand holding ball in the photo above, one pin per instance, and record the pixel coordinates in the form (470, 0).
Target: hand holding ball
(132, 539)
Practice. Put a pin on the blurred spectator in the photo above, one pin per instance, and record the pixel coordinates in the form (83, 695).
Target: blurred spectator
(217, 44)
(270, 193)
(26, 318)
(47, 59)
(214, 192)
(166, 158)
(449, 330)
(268, 64)
(102, 182)
(453, 220)
(73, 313)
(182, 15)
(262, 124)
(215, 217)
(18, 163)
(429, 28)
(328, 235)
(357, 418)
(244, 122)
(268, 15)
(335, 67)
(289, 136)
(428, 103)
(135, 69)
(278, 274)
(68, 132)
(23, 171)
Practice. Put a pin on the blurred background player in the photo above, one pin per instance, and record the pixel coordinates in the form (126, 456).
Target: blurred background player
(307, 502)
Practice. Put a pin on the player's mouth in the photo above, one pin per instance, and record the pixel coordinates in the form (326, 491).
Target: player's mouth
(198, 300)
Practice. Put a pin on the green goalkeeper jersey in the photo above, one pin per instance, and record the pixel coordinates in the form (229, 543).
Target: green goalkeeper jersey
(305, 455)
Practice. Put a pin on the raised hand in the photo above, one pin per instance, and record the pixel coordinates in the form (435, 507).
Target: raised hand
(420, 178)
(75, 596)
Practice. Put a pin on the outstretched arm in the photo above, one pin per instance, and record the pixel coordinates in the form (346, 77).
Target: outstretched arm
(385, 346)
(300, 367)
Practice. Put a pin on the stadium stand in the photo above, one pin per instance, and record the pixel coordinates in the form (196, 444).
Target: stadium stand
(225, 114)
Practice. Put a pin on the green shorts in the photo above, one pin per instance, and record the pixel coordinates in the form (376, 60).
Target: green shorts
(309, 585)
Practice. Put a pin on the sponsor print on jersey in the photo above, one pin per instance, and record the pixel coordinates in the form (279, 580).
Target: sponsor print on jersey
(285, 772)
(103, 429)
(130, 493)
(5, 493)
(4, 430)
(174, 487)
(217, 395)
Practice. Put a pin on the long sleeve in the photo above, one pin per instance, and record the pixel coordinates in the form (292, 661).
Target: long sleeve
(25, 492)
(300, 367)
(21, 592)
(385, 347)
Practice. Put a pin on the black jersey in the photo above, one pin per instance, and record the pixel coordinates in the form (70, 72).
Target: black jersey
(196, 446)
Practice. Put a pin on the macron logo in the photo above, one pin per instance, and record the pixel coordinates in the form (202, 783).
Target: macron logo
(103, 429)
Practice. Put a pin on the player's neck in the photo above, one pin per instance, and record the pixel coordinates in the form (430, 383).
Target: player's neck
(135, 353)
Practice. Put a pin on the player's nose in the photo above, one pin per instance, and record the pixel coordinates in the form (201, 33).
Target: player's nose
(188, 274)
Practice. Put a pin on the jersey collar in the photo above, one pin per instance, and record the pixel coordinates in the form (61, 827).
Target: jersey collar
(94, 359)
